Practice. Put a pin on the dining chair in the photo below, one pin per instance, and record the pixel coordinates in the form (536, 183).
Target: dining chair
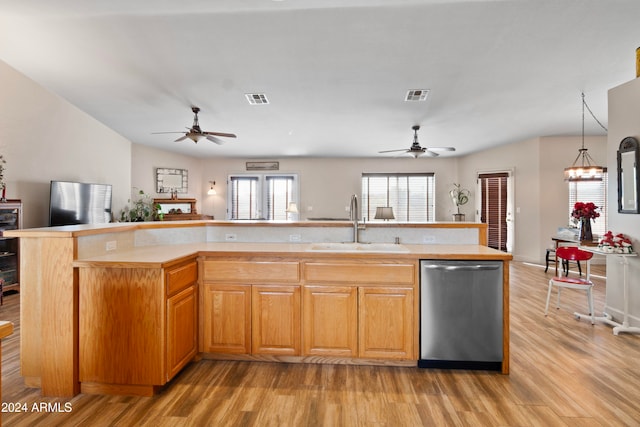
(550, 256)
(573, 253)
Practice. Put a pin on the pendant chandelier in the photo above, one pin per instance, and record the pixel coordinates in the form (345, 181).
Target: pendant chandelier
(584, 167)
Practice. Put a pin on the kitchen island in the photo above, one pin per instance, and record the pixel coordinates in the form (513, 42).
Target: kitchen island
(126, 321)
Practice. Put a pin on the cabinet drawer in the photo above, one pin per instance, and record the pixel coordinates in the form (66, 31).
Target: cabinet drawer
(360, 273)
(252, 271)
(180, 277)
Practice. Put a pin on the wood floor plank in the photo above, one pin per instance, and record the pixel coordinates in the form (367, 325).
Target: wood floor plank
(564, 372)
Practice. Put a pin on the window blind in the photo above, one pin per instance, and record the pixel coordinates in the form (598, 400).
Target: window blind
(494, 208)
(595, 192)
(244, 197)
(279, 195)
(412, 196)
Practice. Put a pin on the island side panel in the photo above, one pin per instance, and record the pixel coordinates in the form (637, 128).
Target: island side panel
(505, 317)
(59, 317)
(30, 311)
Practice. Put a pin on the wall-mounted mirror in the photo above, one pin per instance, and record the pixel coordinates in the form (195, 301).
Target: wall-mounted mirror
(628, 177)
(168, 180)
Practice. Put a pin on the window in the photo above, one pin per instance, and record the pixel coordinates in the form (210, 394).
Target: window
(412, 196)
(595, 192)
(261, 196)
(279, 193)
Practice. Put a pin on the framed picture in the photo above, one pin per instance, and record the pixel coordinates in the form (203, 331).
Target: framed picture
(263, 166)
(168, 180)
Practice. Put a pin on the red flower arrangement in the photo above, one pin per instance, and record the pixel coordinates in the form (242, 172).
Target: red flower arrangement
(585, 210)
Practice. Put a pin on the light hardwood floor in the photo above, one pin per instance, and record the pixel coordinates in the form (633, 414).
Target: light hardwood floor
(563, 372)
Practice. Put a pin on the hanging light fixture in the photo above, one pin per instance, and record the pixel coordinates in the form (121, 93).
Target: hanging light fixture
(584, 168)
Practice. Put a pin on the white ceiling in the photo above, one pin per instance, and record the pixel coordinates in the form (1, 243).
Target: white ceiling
(335, 71)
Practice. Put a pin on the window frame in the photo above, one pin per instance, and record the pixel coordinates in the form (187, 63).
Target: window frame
(368, 212)
(262, 191)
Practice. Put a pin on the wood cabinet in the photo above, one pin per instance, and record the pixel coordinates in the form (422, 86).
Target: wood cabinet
(10, 219)
(137, 326)
(355, 309)
(330, 322)
(226, 319)
(251, 307)
(182, 316)
(179, 209)
(385, 322)
(275, 321)
(364, 310)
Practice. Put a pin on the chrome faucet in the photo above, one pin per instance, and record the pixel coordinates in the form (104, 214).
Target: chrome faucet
(353, 216)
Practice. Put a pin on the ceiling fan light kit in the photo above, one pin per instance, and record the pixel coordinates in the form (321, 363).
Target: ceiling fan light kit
(416, 150)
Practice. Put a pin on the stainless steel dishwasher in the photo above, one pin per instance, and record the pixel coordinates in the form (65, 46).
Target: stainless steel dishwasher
(461, 314)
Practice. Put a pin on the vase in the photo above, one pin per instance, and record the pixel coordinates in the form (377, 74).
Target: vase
(585, 230)
(458, 217)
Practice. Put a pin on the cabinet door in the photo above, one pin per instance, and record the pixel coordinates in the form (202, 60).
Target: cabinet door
(121, 326)
(226, 319)
(385, 322)
(330, 321)
(276, 320)
(182, 318)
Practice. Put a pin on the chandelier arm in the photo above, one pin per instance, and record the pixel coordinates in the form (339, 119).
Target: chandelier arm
(589, 159)
(576, 160)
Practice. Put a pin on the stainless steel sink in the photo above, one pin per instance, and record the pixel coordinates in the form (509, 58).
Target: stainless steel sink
(358, 247)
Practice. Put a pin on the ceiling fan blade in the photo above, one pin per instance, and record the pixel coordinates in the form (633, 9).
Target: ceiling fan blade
(214, 139)
(441, 149)
(226, 135)
(429, 153)
(393, 151)
(195, 133)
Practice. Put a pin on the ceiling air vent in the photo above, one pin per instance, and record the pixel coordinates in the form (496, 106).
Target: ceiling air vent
(256, 98)
(417, 95)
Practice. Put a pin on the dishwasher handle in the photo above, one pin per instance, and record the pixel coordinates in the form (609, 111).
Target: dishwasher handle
(469, 267)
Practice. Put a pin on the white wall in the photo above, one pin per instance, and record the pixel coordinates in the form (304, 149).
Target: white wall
(145, 161)
(44, 138)
(326, 184)
(541, 195)
(624, 114)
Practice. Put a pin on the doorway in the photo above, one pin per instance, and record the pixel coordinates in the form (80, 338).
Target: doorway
(495, 208)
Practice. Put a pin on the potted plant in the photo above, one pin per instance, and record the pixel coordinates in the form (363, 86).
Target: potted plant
(141, 209)
(459, 196)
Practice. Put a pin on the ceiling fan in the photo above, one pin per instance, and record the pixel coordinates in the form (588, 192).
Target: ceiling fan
(416, 150)
(195, 133)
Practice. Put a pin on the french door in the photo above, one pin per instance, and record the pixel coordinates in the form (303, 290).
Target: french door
(495, 208)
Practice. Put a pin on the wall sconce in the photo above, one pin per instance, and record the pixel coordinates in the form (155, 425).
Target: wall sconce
(385, 213)
(212, 191)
